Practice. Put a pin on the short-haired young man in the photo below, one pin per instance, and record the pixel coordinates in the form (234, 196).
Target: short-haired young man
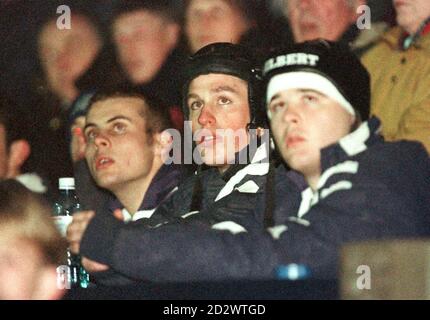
(124, 153)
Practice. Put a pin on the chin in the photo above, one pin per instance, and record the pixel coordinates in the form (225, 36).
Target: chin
(106, 182)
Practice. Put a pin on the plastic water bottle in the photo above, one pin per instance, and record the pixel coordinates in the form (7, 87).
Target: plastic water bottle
(293, 272)
(64, 208)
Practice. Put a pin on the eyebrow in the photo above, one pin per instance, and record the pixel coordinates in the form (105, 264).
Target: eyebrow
(192, 95)
(224, 88)
(277, 96)
(88, 125)
(311, 90)
(215, 90)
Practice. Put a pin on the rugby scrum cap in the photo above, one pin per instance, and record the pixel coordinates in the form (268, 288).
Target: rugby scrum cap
(230, 59)
(324, 66)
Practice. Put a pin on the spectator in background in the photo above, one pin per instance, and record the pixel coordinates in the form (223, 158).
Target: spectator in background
(333, 20)
(146, 35)
(209, 21)
(15, 148)
(400, 68)
(64, 55)
(31, 248)
(234, 21)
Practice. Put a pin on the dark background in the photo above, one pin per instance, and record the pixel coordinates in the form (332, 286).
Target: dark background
(20, 21)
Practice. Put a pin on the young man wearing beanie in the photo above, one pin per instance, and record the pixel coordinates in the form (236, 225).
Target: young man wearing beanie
(359, 187)
(221, 101)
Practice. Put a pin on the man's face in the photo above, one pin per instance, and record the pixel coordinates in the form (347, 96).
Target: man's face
(217, 102)
(312, 19)
(209, 21)
(67, 54)
(4, 154)
(304, 122)
(143, 41)
(411, 13)
(119, 152)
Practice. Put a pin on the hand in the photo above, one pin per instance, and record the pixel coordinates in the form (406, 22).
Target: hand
(76, 229)
(118, 214)
(93, 266)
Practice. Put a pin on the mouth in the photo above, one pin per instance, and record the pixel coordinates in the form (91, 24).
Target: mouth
(208, 140)
(103, 162)
(308, 26)
(132, 65)
(293, 141)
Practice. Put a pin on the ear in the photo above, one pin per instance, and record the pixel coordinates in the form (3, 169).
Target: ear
(358, 3)
(163, 143)
(19, 151)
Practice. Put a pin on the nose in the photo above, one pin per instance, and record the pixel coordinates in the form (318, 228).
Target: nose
(206, 117)
(63, 61)
(101, 141)
(126, 45)
(291, 114)
(206, 20)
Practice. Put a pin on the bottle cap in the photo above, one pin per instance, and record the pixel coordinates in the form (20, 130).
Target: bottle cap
(293, 272)
(66, 183)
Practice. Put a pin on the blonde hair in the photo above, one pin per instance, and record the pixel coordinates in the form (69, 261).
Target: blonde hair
(26, 215)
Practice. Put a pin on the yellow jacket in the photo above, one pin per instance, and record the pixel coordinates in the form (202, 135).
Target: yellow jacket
(401, 87)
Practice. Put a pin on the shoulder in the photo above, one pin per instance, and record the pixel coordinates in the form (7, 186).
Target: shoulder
(403, 165)
(398, 152)
(388, 42)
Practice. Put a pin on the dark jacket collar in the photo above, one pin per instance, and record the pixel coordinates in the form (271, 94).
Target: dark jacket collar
(350, 35)
(166, 179)
(366, 135)
(358, 141)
